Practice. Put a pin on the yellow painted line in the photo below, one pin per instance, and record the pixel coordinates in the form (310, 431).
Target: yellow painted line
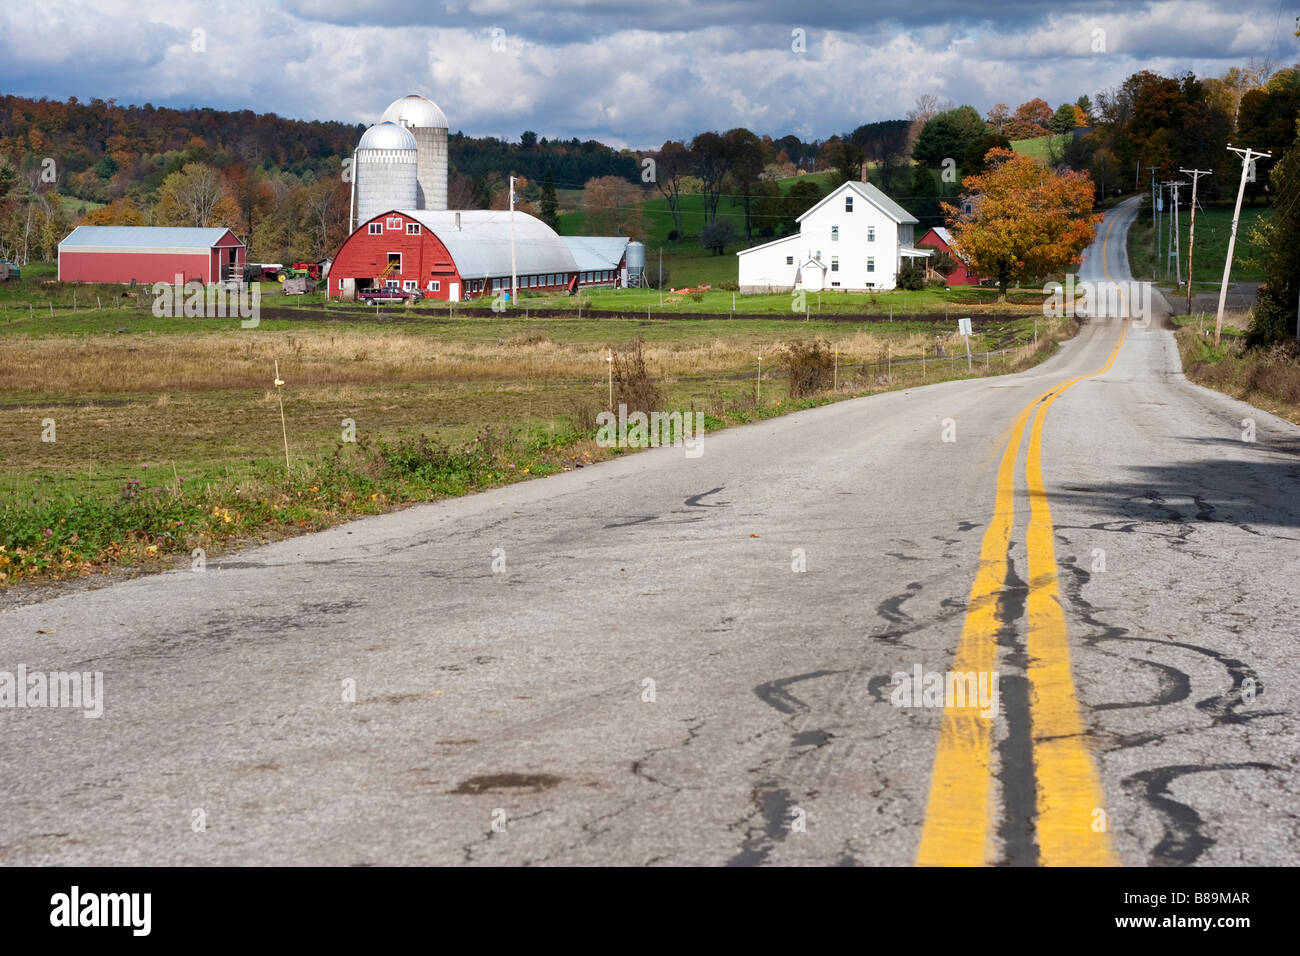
(1069, 787)
(957, 824)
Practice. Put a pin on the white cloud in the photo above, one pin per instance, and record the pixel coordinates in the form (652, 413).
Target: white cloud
(627, 74)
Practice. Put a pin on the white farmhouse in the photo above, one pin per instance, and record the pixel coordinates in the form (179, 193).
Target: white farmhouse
(855, 239)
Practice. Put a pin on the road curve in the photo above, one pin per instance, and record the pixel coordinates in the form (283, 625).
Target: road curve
(650, 678)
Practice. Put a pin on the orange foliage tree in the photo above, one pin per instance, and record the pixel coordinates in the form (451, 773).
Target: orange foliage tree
(1026, 220)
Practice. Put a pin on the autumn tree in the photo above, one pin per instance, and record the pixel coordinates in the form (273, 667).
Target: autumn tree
(1027, 221)
(998, 116)
(1030, 120)
(120, 212)
(1278, 235)
(193, 196)
(672, 164)
(712, 158)
(612, 207)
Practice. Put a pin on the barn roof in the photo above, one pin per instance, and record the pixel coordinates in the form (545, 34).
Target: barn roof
(595, 253)
(142, 239)
(481, 246)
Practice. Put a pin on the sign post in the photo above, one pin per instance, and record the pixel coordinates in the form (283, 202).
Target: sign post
(963, 329)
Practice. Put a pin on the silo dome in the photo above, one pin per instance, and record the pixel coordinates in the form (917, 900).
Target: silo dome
(386, 135)
(422, 118)
(387, 161)
(416, 110)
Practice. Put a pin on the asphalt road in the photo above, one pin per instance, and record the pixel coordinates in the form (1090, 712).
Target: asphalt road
(1143, 633)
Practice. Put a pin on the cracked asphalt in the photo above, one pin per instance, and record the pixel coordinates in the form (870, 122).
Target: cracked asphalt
(649, 681)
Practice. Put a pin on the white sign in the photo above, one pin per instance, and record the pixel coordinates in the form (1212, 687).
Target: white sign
(963, 327)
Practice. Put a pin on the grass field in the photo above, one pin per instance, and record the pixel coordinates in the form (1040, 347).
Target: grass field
(1213, 227)
(131, 448)
(1040, 147)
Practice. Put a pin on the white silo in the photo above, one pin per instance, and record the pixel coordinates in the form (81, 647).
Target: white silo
(429, 125)
(385, 171)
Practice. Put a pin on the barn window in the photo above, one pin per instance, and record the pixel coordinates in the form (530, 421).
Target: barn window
(871, 233)
(835, 263)
(871, 263)
(789, 260)
(376, 229)
(412, 228)
(410, 285)
(395, 223)
(848, 204)
(835, 233)
(340, 285)
(391, 283)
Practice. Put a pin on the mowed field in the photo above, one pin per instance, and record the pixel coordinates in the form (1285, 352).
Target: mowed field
(127, 438)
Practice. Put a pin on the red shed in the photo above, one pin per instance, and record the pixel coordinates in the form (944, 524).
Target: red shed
(940, 238)
(150, 254)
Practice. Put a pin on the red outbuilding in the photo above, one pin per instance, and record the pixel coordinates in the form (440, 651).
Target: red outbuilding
(941, 239)
(150, 254)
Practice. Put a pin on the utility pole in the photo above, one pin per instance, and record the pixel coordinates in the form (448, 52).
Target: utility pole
(1191, 236)
(1155, 258)
(661, 277)
(1248, 157)
(514, 278)
(1173, 236)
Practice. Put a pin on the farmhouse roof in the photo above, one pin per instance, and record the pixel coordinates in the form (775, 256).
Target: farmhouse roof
(872, 195)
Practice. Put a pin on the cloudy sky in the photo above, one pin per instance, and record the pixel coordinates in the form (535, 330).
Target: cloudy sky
(627, 72)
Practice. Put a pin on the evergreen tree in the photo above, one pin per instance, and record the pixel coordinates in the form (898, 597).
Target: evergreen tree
(549, 206)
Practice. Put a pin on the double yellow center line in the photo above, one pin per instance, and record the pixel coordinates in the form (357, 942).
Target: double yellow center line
(957, 821)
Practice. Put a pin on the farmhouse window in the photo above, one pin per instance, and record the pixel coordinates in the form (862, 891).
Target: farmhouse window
(835, 233)
(871, 263)
(871, 233)
(848, 204)
(789, 260)
(835, 263)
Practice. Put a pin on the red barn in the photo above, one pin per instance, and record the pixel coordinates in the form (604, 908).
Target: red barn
(941, 239)
(150, 254)
(453, 255)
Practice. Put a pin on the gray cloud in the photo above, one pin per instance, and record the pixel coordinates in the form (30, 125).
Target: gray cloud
(626, 73)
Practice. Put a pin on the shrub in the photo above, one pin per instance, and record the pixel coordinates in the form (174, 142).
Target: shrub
(809, 366)
(936, 283)
(729, 285)
(633, 385)
(911, 277)
(652, 277)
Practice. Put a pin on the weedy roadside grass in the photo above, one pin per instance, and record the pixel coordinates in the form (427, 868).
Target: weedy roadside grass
(1268, 379)
(168, 439)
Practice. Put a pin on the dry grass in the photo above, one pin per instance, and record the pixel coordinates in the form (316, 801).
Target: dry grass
(167, 364)
(1267, 379)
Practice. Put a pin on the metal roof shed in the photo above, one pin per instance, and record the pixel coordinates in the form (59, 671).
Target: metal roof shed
(149, 254)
